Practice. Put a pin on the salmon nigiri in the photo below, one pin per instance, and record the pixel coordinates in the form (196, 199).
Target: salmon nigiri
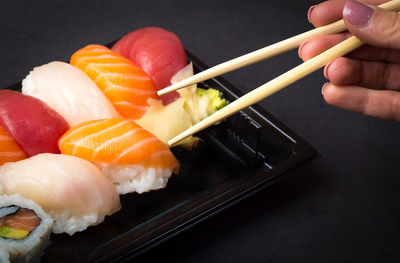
(10, 151)
(127, 86)
(133, 158)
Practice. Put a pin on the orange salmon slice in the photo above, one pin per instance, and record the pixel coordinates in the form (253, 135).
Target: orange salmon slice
(117, 141)
(124, 83)
(23, 219)
(10, 151)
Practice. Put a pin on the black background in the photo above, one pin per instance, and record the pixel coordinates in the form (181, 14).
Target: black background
(341, 207)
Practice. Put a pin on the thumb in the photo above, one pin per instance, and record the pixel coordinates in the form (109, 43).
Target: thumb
(372, 25)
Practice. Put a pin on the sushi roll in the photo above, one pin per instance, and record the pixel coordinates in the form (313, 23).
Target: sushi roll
(69, 91)
(133, 158)
(24, 229)
(73, 191)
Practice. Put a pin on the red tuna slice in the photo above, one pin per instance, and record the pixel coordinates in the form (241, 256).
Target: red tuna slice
(33, 125)
(157, 52)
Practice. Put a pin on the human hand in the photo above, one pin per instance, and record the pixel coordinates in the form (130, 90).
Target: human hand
(368, 79)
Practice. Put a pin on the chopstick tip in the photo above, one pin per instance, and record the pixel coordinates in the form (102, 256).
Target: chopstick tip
(166, 90)
(172, 142)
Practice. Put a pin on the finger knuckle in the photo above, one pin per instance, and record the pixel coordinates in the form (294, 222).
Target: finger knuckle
(364, 103)
(391, 30)
(387, 75)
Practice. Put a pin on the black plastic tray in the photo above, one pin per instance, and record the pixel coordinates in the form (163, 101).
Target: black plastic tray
(235, 158)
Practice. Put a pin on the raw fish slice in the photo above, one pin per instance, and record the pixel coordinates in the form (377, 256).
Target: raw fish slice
(157, 52)
(73, 191)
(10, 151)
(124, 84)
(117, 141)
(134, 159)
(23, 219)
(32, 123)
(69, 91)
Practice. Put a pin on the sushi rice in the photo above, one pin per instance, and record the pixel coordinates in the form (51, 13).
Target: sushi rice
(70, 223)
(135, 178)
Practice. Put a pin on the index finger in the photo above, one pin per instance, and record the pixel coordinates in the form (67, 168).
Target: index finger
(330, 11)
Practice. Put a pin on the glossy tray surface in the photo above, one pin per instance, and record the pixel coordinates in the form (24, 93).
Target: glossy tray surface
(234, 159)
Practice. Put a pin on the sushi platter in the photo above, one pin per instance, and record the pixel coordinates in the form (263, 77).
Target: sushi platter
(224, 164)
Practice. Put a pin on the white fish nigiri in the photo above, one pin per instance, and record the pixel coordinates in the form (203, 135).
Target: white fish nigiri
(69, 91)
(73, 191)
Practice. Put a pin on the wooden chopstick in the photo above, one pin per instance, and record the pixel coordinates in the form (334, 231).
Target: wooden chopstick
(272, 86)
(267, 52)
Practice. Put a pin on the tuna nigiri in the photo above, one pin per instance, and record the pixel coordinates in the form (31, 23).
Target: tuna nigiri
(32, 123)
(158, 52)
(127, 86)
(69, 91)
(134, 159)
(73, 191)
(10, 151)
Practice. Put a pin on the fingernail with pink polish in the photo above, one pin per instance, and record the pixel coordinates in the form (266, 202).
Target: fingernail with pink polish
(357, 14)
(309, 13)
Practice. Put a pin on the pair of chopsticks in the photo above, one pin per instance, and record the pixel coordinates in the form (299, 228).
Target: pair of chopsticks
(278, 83)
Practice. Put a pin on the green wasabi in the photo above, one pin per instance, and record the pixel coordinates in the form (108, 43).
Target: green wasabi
(216, 102)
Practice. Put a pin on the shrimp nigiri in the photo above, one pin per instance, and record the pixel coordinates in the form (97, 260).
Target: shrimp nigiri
(127, 86)
(133, 158)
